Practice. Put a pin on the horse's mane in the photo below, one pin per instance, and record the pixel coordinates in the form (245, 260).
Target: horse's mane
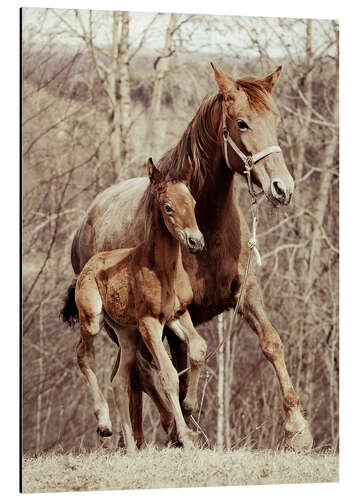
(197, 141)
(200, 140)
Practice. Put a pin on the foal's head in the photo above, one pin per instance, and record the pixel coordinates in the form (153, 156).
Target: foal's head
(252, 119)
(177, 207)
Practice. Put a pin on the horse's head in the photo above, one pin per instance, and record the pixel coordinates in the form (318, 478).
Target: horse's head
(177, 206)
(251, 121)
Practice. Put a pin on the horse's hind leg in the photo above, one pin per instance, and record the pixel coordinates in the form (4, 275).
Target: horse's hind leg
(297, 433)
(91, 321)
(178, 350)
(145, 378)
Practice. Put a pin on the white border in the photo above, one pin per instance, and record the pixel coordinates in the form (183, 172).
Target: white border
(342, 10)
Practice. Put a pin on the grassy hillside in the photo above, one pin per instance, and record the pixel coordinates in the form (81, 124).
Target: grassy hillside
(151, 468)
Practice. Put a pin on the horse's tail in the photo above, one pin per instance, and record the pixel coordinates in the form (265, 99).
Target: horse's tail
(69, 312)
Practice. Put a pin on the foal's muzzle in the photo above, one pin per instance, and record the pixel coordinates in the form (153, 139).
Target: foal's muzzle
(194, 242)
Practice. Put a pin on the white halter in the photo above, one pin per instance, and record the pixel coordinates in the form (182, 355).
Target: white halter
(249, 161)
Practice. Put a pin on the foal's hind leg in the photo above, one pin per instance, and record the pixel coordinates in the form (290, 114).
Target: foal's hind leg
(128, 339)
(89, 305)
(86, 362)
(297, 433)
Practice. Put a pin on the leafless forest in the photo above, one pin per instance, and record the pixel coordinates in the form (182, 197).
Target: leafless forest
(101, 92)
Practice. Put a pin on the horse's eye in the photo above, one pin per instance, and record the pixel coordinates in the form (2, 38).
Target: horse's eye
(242, 125)
(168, 209)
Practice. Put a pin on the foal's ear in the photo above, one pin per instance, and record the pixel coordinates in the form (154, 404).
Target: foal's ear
(186, 178)
(225, 83)
(269, 81)
(154, 174)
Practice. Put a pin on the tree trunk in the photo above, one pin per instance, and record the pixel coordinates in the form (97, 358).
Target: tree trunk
(124, 93)
(227, 391)
(161, 69)
(305, 84)
(220, 388)
(321, 203)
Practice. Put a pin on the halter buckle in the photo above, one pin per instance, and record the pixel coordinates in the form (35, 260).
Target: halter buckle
(249, 162)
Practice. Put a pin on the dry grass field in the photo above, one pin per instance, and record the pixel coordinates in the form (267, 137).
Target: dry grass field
(170, 467)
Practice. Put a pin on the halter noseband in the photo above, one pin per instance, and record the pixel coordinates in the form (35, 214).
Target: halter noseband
(249, 161)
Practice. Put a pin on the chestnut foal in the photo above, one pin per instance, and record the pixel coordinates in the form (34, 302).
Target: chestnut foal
(138, 291)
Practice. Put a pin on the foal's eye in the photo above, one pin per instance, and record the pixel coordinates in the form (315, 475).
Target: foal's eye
(242, 125)
(168, 209)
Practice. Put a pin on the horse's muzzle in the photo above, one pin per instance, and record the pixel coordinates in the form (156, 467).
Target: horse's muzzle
(280, 192)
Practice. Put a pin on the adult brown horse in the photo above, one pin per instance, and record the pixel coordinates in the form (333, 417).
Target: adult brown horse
(243, 111)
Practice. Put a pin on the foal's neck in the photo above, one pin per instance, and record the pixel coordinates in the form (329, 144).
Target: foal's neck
(162, 246)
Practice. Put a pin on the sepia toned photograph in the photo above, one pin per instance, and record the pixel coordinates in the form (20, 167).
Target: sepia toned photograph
(180, 250)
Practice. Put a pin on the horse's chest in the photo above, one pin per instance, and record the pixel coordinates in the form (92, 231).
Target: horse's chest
(213, 279)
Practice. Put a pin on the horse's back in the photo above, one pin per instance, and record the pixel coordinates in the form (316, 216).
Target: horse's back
(112, 221)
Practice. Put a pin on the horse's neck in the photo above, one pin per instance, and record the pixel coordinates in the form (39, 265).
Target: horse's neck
(162, 246)
(214, 206)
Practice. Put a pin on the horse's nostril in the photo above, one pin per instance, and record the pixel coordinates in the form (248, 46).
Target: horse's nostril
(279, 189)
(191, 242)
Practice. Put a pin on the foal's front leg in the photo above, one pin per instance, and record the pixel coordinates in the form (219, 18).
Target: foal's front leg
(151, 332)
(197, 348)
(297, 432)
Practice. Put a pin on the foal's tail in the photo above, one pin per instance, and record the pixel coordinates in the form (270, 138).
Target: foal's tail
(69, 312)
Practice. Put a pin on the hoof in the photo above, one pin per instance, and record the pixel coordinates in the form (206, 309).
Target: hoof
(173, 439)
(131, 452)
(189, 440)
(105, 441)
(168, 423)
(188, 408)
(300, 440)
(104, 432)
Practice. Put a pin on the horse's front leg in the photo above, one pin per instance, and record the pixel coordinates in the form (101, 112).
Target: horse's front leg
(197, 348)
(297, 432)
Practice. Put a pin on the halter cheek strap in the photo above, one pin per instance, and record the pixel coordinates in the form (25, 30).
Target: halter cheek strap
(249, 161)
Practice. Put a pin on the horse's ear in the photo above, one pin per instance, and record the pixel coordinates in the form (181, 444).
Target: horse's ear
(154, 174)
(269, 81)
(186, 179)
(225, 83)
